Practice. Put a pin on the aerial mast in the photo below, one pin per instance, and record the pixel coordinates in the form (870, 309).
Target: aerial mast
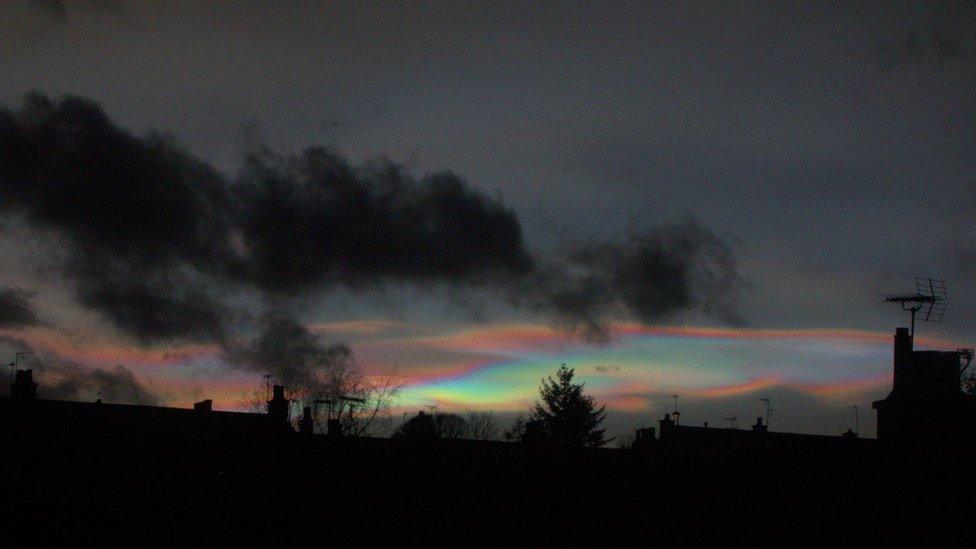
(675, 414)
(929, 298)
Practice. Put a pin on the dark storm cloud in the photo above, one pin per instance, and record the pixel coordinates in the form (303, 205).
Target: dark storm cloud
(15, 308)
(51, 8)
(58, 10)
(932, 42)
(648, 278)
(315, 219)
(155, 305)
(69, 381)
(136, 211)
(159, 239)
(156, 232)
(62, 379)
(286, 350)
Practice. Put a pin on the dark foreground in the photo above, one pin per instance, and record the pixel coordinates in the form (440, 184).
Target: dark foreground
(140, 484)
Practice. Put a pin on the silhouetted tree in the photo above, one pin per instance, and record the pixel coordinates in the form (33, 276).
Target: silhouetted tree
(419, 427)
(515, 432)
(481, 426)
(254, 400)
(360, 403)
(450, 426)
(567, 414)
(625, 442)
(431, 426)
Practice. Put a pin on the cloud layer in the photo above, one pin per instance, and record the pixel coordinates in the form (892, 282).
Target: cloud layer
(62, 379)
(158, 241)
(16, 309)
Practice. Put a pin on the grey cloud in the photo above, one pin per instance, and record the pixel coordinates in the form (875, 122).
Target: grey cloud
(158, 238)
(59, 11)
(62, 379)
(934, 43)
(16, 309)
(649, 277)
(287, 351)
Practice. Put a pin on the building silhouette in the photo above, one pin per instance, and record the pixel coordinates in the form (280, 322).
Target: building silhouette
(104, 472)
(926, 404)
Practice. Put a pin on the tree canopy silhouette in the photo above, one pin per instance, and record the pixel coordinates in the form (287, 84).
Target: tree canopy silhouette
(567, 414)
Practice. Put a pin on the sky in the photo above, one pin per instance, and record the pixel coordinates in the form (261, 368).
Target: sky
(706, 200)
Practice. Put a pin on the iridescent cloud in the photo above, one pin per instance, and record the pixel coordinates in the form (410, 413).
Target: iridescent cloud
(499, 366)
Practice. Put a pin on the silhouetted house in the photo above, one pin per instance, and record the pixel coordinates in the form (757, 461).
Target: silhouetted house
(24, 413)
(644, 439)
(926, 404)
(747, 442)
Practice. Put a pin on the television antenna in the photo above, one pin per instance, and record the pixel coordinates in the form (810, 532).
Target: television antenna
(676, 414)
(965, 358)
(768, 409)
(352, 401)
(731, 420)
(929, 298)
(13, 369)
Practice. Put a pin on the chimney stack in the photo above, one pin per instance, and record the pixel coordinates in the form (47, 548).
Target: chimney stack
(306, 423)
(278, 405)
(903, 359)
(24, 389)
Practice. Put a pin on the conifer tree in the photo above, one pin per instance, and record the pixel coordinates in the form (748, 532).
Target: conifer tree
(567, 414)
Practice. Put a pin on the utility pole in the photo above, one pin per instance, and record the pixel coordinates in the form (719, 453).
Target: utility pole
(857, 420)
(768, 409)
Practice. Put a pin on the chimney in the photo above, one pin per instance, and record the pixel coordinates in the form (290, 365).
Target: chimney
(305, 424)
(203, 406)
(667, 427)
(24, 389)
(278, 405)
(759, 427)
(903, 360)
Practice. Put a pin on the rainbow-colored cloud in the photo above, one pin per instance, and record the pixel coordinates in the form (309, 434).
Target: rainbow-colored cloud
(499, 366)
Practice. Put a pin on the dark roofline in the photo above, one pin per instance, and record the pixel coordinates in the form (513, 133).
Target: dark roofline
(131, 407)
